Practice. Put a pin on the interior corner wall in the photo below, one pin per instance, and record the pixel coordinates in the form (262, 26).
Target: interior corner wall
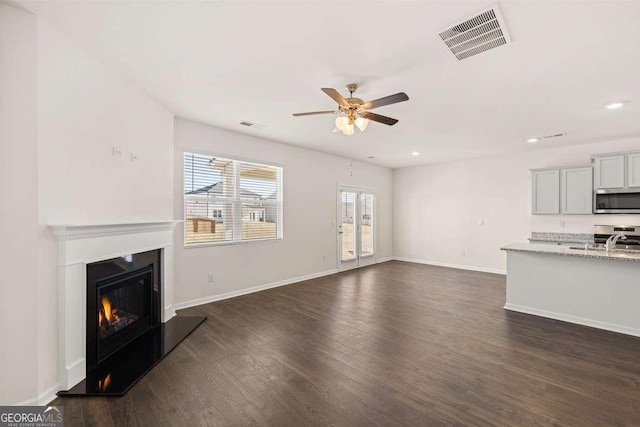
(105, 155)
(106, 148)
(460, 213)
(19, 210)
(309, 246)
(62, 112)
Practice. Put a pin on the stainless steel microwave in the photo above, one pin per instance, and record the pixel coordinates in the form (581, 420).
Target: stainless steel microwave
(617, 201)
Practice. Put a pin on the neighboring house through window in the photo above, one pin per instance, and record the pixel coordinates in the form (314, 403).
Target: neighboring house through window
(230, 201)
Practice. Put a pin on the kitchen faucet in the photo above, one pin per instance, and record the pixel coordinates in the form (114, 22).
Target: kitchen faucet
(612, 240)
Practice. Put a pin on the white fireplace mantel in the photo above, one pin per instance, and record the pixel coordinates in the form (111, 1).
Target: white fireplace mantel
(79, 245)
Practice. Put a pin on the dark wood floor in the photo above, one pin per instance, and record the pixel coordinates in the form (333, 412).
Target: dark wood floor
(392, 344)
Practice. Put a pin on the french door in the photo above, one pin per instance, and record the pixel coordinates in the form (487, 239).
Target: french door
(356, 228)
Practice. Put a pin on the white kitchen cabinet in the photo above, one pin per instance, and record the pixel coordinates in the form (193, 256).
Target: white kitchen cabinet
(545, 186)
(576, 191)
(609, 171)
(633, 170)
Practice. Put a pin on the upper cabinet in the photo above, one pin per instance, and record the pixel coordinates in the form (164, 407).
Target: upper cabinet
(609, 171)
(545, 192)
(562, 191)
(570, 190)
(616, 170)
(633, 170)
(576, 190)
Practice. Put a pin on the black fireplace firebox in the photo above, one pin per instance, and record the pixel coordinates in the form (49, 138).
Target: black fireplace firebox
(123, 305)
(123, 302)
(125, 335)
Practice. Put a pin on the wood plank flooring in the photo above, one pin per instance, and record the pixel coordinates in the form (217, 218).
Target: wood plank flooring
(391, 344)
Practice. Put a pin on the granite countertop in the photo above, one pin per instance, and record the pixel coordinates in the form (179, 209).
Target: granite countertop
(616, 254)
(561, 237)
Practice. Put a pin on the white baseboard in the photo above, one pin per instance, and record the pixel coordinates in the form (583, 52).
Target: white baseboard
(48, 395)
(74, 373)
(30, 402)
(43, 398)
(169, 313)
(233, 294)
(449, 265)
(573, 319)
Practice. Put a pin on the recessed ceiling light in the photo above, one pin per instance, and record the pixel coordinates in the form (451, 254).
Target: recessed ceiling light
(532, 140)
(415, 153)
(614, 105)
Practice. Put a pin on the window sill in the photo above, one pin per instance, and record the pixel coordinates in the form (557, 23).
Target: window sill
(241, 242)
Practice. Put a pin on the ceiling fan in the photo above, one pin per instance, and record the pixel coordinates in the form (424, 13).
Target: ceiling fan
(356, 111)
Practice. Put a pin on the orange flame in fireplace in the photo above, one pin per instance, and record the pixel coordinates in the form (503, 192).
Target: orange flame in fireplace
(103, 385)
(106, 308)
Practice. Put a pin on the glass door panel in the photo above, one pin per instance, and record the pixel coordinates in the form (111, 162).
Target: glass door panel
(347, 228)
(366, 224)
(356, 228)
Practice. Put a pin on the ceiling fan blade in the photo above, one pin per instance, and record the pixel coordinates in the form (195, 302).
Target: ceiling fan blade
(378, 118)
(314, 112)
(336, 96)
(391, 99)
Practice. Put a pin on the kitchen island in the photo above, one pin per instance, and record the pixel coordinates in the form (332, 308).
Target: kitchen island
(589, 287)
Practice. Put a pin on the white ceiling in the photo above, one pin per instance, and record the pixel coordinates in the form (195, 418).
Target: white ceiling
(224, 62)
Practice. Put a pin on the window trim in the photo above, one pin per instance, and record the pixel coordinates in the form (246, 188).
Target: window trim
(236, 202)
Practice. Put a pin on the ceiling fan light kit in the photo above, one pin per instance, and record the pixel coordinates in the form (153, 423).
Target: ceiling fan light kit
(362, 123)
(345, 125)
(356, 111)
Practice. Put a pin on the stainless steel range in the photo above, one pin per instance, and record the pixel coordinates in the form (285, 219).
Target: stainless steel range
(628, 236)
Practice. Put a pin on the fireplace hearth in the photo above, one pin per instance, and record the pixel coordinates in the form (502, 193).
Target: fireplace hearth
(125, 336)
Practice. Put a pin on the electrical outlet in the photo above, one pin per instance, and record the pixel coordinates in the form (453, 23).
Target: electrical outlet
(324, 258)
(210, 277)
(464, 254)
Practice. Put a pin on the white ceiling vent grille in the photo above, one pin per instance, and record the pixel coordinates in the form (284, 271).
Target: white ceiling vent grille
(252, 125)
(478, 34)
(557, 135)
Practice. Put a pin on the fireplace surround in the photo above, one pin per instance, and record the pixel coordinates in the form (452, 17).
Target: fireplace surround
(85, 372)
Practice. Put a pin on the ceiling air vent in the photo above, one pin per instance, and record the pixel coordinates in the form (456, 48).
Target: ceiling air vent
(252, 125)
(478, 34)
(557, 135)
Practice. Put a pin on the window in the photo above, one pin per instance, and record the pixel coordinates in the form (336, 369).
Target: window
(230, 201)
